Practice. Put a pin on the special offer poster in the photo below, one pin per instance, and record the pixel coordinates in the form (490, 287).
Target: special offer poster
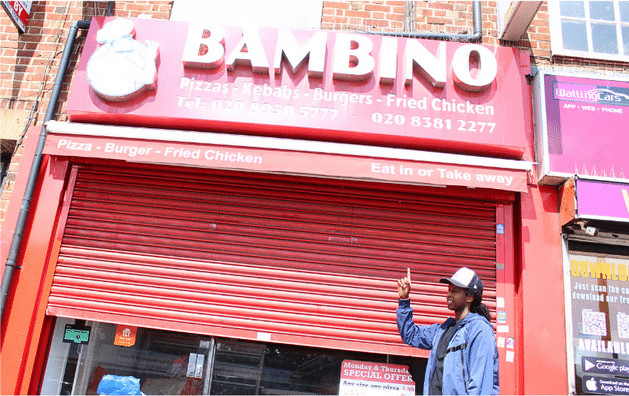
(375, 379)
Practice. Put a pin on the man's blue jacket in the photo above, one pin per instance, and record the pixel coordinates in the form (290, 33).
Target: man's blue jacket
(471, 364)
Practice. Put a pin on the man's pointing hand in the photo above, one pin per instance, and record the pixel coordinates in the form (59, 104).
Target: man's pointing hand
(404, 285)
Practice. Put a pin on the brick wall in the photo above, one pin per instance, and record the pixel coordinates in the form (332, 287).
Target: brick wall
(389, 16)
(363, 15)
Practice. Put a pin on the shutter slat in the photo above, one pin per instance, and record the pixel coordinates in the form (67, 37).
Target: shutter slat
(468, 227)
(375, 334)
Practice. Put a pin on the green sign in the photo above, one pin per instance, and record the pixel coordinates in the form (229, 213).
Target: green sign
(77, 334)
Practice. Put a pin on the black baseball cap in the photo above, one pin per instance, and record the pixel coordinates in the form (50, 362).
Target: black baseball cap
(465, 278)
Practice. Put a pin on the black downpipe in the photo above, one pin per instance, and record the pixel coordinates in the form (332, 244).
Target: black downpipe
(110, 8)
(35, 168)
(475, 37)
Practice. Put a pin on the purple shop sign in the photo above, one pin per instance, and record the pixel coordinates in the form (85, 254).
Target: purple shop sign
(602, 200)
(582, 127)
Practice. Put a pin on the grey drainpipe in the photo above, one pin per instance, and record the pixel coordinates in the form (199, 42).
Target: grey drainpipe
(475, 37)
(37, 160)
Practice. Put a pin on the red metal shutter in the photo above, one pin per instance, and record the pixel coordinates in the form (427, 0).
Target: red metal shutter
(284, 260)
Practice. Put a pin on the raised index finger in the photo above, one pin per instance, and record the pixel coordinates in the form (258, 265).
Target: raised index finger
(408, 274)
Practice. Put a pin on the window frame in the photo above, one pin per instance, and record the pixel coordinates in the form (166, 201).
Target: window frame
(557, 37)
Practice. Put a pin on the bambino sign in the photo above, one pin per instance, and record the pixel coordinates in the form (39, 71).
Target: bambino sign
(310, 84)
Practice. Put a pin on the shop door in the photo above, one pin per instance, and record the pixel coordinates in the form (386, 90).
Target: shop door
(273, 259)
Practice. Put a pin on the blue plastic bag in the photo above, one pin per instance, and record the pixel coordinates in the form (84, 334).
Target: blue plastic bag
(119, 385)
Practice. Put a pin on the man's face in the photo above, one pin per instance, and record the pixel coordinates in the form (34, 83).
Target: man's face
(458, 298)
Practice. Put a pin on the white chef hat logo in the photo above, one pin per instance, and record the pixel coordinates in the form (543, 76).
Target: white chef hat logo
(122, 67)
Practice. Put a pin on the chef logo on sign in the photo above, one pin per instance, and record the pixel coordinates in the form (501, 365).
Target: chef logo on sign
(122, 67)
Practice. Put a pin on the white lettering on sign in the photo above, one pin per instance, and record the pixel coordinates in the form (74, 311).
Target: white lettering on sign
(459, 107)
(190, 85)
(488, 68)
(604, 346)
(353, 57)
(204, 47)
(441, 175)
(296, 55)
(454, 174)
(388, 60)
(73, 145)
(181, 153)
(131, 151)
(505, 180)
(226, 156)
(432, 67)
(249, 51)
(380, 168)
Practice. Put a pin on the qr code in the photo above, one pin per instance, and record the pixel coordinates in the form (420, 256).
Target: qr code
(623, 325)
(594, 323)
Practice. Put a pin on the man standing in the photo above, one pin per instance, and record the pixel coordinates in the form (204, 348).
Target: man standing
(463, 354)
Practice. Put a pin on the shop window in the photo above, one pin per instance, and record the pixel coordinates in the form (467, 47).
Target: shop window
(590, 29)
(162, 362)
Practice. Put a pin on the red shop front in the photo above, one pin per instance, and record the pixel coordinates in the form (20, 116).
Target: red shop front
(228, 210)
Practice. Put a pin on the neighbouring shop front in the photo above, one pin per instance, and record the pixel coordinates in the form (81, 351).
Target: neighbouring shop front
(237, 223)
(594, 199)
(598, 295)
